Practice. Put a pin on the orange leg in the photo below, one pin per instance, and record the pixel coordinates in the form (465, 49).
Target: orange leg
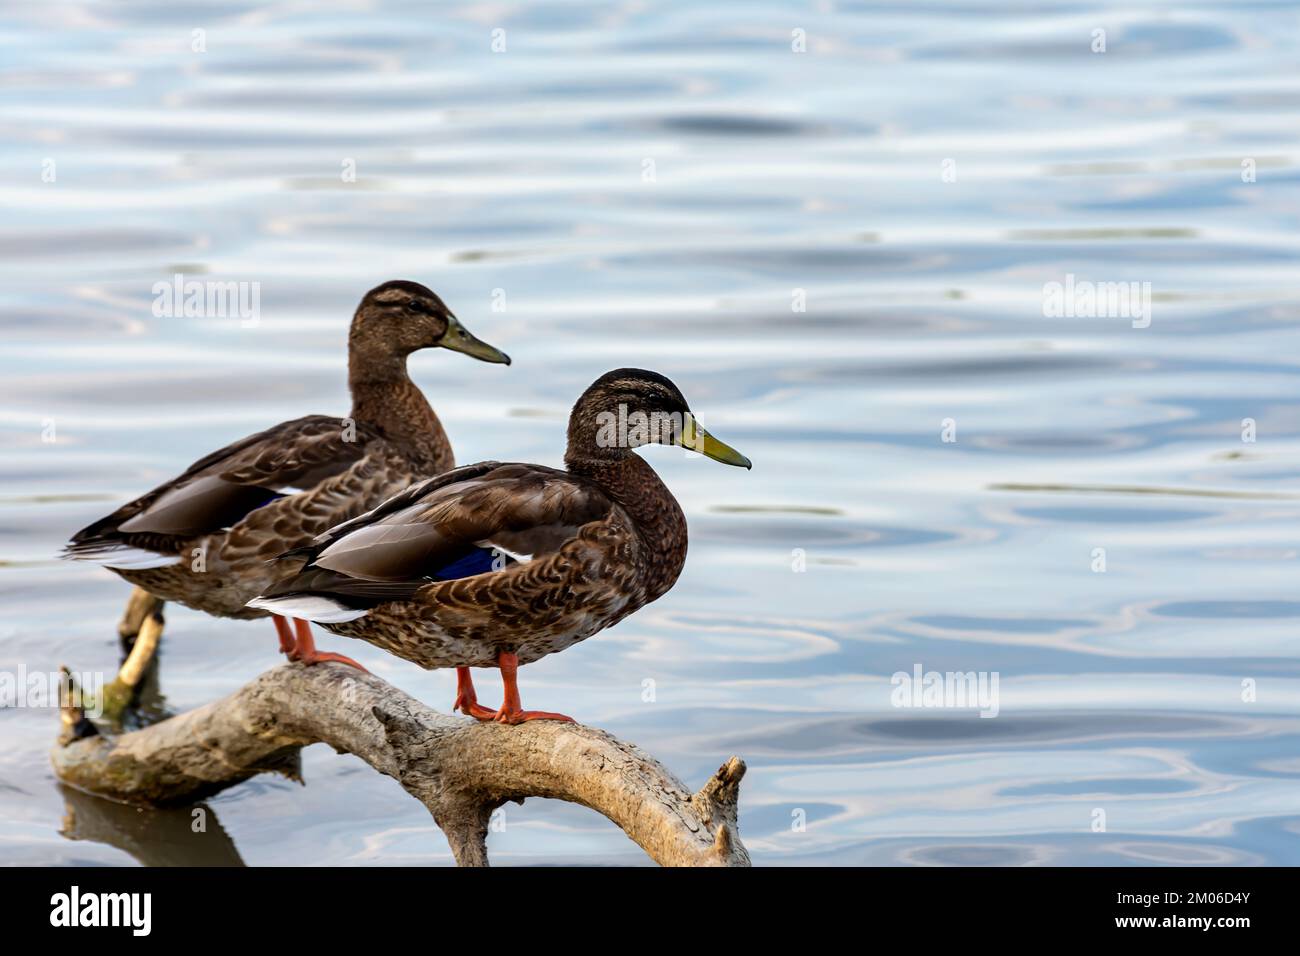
(304, 650)
(286, 635)
(467, 700)
(511, 711)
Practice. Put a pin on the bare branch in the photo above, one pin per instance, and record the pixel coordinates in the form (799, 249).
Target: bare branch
(460, 769)
(140, 606)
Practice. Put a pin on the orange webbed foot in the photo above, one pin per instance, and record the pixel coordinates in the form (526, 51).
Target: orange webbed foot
(467, 700)
(472, 708)
(321, 657)
(513, 717)
(304, 650)
(511, 711)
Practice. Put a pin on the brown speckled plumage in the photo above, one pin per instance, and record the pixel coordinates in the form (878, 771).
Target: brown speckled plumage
(594, 543)
(603, 570)
(230, 514)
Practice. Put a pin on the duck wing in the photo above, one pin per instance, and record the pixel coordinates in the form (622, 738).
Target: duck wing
(464, 522)
(217, 491)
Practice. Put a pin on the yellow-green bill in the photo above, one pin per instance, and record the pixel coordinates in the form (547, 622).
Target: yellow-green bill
(697, 439)
(458, 339)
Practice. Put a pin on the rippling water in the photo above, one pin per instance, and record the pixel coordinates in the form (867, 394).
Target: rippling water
(663, 185)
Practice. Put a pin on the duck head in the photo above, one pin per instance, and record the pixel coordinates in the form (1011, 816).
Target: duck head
(630, 407)
(401, 317)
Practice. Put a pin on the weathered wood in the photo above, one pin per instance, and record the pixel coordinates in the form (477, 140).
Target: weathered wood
(459, 768)
(140, 606)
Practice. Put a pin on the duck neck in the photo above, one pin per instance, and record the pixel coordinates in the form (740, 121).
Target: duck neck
(658, 518)
(383, 395)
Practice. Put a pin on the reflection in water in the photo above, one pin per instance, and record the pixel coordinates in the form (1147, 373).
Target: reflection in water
(190, 836)
(1102, 515)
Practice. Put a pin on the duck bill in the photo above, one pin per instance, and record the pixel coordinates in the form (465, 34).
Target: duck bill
(697, 439)
(459, 339)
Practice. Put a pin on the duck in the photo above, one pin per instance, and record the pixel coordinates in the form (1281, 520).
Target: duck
(208, 538)
(500, 564)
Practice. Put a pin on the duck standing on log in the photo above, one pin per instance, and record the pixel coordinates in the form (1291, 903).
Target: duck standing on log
(498, 565)
(207, 538)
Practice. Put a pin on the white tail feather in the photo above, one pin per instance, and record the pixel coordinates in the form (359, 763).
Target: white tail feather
(308, 607)
(124, 558)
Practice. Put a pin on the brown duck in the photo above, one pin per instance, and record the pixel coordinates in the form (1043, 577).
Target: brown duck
(208, 537)
(501, 564)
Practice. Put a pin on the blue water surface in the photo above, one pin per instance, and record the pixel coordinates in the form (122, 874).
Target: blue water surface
(832, 225)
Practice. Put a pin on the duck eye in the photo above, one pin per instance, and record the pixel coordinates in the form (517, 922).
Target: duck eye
(412, 305)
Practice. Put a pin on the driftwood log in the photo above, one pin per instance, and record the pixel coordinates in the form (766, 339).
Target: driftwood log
(462, 770)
